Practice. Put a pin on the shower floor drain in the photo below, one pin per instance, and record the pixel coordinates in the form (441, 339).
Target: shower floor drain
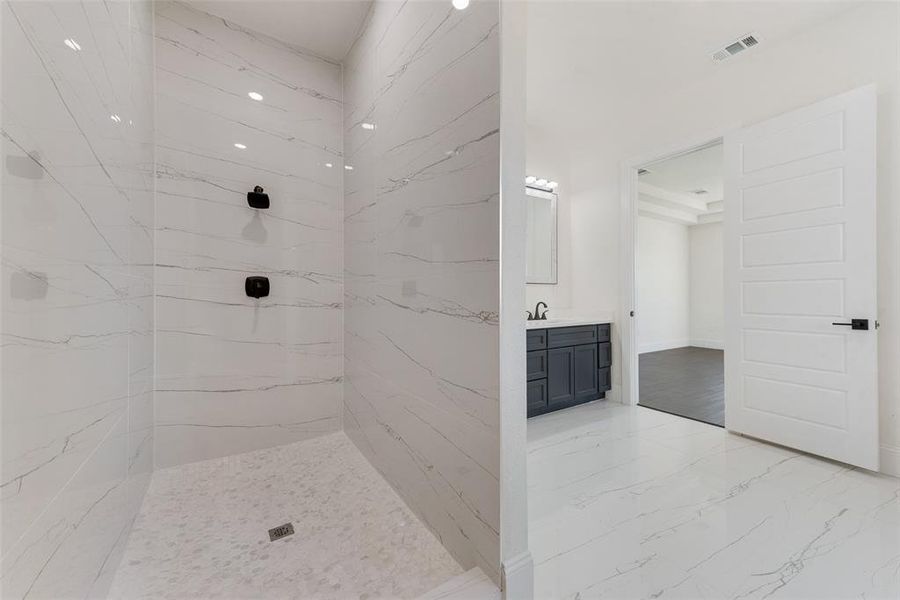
(276, 533)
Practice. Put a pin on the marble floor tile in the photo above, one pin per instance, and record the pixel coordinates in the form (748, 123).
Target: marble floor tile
(626, 502)
(202, 530)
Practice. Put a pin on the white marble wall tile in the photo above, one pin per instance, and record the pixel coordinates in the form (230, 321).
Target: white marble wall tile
(77, 311)
(233, 373)
(421, 249)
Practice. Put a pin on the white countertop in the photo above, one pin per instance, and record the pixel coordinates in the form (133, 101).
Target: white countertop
(565, 322)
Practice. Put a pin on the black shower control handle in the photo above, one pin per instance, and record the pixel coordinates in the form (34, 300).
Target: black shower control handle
(257, 198)
(256, 286)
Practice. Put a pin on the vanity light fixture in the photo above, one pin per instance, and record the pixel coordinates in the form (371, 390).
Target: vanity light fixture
(240, 146)
(255, 96)
(72, 44)
(543, 184)
(460, 4)
(368, 126)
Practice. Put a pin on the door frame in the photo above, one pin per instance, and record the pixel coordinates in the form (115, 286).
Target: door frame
(628, 214)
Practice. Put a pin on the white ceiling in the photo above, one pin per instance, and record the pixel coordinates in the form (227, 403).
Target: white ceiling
(579, 51)
(326, 27)
(698, 170)
(668, 190)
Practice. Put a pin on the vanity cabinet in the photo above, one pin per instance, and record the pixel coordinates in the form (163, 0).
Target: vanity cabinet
(567, 366)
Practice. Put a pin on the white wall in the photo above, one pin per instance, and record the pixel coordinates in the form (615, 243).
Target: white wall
(234, 373)
(855, 48)
(663, 271)
(707, 302)
(76, 389)
(422, 276)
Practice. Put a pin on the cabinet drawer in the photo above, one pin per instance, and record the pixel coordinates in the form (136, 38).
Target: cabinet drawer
(604, 354)
(535, 339)
(571, 336)
(537, 364)
(537, 396)
(603, 332)
(605, 382)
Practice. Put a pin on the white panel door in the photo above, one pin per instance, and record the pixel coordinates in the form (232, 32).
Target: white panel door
(800, 260)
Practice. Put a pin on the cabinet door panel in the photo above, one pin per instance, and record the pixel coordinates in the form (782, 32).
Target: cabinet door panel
(560, 376)
(537, 397)
(604, 354)
(571, 336)
(585, 373)
(536, 339)
(603, 332)
(537, 364)
(605, 382)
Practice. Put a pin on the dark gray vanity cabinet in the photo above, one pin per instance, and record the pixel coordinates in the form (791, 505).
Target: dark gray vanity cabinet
(567, 366)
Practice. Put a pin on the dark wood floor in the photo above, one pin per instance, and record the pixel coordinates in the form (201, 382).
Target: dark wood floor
(689, 382)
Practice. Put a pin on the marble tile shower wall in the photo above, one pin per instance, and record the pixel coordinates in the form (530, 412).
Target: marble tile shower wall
(237, 374)
(421, 247)
(77, 290)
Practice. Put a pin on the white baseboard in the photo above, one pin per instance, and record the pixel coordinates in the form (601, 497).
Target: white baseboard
(890, 461)
(517, 577)
(713, 344)
(665, 345)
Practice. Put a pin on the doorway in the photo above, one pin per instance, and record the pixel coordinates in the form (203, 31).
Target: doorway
(679, 284)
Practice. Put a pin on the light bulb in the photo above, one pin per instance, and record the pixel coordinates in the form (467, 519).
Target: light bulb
(72, 44)
(368, 126)
(240, 146)
(348, 167)
(541, 182)
(530, 179)
(460, 4)
(256, 96)
(552, 185)
(329, 165)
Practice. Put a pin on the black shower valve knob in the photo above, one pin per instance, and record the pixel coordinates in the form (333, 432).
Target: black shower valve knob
(257, 198)
(257, 287)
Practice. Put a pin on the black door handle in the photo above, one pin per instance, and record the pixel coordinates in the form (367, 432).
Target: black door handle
(858, 324)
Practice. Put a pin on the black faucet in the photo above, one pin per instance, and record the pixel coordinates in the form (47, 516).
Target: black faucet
(538, 315)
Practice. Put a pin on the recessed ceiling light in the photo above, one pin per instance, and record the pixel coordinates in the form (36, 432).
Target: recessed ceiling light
(240, 146)
(116, 118)
(369, 126)
(530, 179)
(255, 95)
(460, 4)
(72, 44)
(329, 165)
(348, 167)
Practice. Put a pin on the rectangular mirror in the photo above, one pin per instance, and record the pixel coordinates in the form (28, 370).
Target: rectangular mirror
(540, 237)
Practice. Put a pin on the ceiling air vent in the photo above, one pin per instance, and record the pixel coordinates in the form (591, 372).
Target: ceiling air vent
(735, 47)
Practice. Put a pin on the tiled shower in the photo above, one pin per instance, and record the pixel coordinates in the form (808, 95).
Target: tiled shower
(156, 420)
